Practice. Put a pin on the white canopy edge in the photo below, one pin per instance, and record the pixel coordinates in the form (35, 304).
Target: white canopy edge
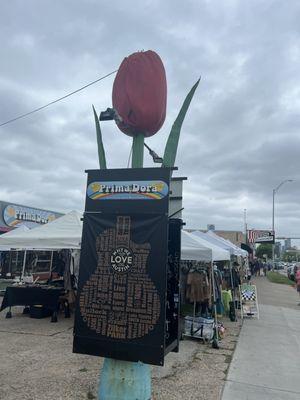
(62, 233)
(192, 250)
(237, 251)
(218, 253)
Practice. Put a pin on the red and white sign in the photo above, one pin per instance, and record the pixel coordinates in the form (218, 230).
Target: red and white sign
(260, 236)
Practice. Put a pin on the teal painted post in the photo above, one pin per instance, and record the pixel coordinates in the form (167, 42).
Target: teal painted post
(124, 380)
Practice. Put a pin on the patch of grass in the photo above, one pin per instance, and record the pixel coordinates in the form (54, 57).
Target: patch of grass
(83, 370)
(275, 277)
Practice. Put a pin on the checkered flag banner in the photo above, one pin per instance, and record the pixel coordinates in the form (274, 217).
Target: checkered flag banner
(248, 294)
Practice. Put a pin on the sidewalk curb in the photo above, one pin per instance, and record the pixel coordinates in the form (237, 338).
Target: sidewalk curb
(228, 369)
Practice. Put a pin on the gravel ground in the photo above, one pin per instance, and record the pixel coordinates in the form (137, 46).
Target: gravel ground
(37, 363)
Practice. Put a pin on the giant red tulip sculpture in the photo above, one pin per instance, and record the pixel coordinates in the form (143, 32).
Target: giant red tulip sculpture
(139, 108)
(139, 100)
(140, 94)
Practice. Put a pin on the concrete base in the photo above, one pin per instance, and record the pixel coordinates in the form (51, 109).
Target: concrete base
(124, 380)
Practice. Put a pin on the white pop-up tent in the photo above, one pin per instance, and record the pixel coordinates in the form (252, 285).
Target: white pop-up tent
(215, 241)
(218, 253)
(235, 250)
(18, 232)
(62, 233)
(191, 249)
(65, 233)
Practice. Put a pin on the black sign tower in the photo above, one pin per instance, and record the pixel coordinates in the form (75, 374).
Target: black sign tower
(128, 291)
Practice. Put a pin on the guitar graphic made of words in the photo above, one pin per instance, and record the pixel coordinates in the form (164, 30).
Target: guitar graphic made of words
(119, 300)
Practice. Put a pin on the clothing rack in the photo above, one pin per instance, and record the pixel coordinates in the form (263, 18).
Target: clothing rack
(201, 328)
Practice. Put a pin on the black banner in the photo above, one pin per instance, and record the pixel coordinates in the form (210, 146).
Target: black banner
(121, 302)
(173, 283)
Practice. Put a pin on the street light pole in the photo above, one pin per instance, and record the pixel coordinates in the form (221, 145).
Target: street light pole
(273, 217)
(245, 224)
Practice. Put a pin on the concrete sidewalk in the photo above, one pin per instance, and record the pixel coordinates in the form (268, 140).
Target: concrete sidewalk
(266, 363)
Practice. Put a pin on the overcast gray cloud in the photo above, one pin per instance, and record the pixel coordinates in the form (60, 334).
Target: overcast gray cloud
(240, 138)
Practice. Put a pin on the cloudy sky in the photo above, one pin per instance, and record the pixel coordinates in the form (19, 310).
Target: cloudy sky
(240, 138)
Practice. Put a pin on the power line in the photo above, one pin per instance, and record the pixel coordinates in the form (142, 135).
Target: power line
(57, 100)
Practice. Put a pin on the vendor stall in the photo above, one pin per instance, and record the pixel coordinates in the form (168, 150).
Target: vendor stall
(233, 272)
(201, 286)
(63, 233)
(61, 239)
(41, 300)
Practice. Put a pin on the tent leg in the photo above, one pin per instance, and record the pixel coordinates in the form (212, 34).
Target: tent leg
(215, 343)
(193, 323)
(24, 264)
(8, 314)
(51, 261)
(233, 294)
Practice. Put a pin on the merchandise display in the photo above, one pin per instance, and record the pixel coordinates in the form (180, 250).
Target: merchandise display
(32, 295)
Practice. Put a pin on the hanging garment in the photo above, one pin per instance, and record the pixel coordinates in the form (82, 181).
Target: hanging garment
(197, 286)
(75, 258)
(236, 278)
(218, 284)
(226, 299)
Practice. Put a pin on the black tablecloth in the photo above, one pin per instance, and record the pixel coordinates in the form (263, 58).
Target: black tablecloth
(32, 295)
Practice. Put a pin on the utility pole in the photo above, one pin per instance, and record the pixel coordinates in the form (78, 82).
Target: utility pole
(273, 216)
(245, 224)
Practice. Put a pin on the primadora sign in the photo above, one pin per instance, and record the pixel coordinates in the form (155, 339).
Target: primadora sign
(14, 215)
(128, 190)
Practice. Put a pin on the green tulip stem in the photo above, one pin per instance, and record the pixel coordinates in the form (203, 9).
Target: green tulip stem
(138, 151)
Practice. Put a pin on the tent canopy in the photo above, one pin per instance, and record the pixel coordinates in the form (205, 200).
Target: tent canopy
(17, 232)
(218, 253)
(215, 241)
(65, 233)
(191, 249)
(237, 251)
(62, 233)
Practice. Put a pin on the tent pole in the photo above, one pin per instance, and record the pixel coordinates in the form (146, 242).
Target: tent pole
(215, 343)
(194, 316)
(51, 261)
(231, 277)
(24, 264)
(233, 289)
(17, 259)
(9, 266)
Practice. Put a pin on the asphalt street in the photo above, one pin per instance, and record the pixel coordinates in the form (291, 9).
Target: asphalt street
(266, 362)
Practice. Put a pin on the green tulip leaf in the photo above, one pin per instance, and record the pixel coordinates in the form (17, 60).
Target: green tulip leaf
(172, 142)
(101, 152)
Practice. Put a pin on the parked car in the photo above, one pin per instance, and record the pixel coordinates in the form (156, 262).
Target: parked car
(278, 265)
(291, 272)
